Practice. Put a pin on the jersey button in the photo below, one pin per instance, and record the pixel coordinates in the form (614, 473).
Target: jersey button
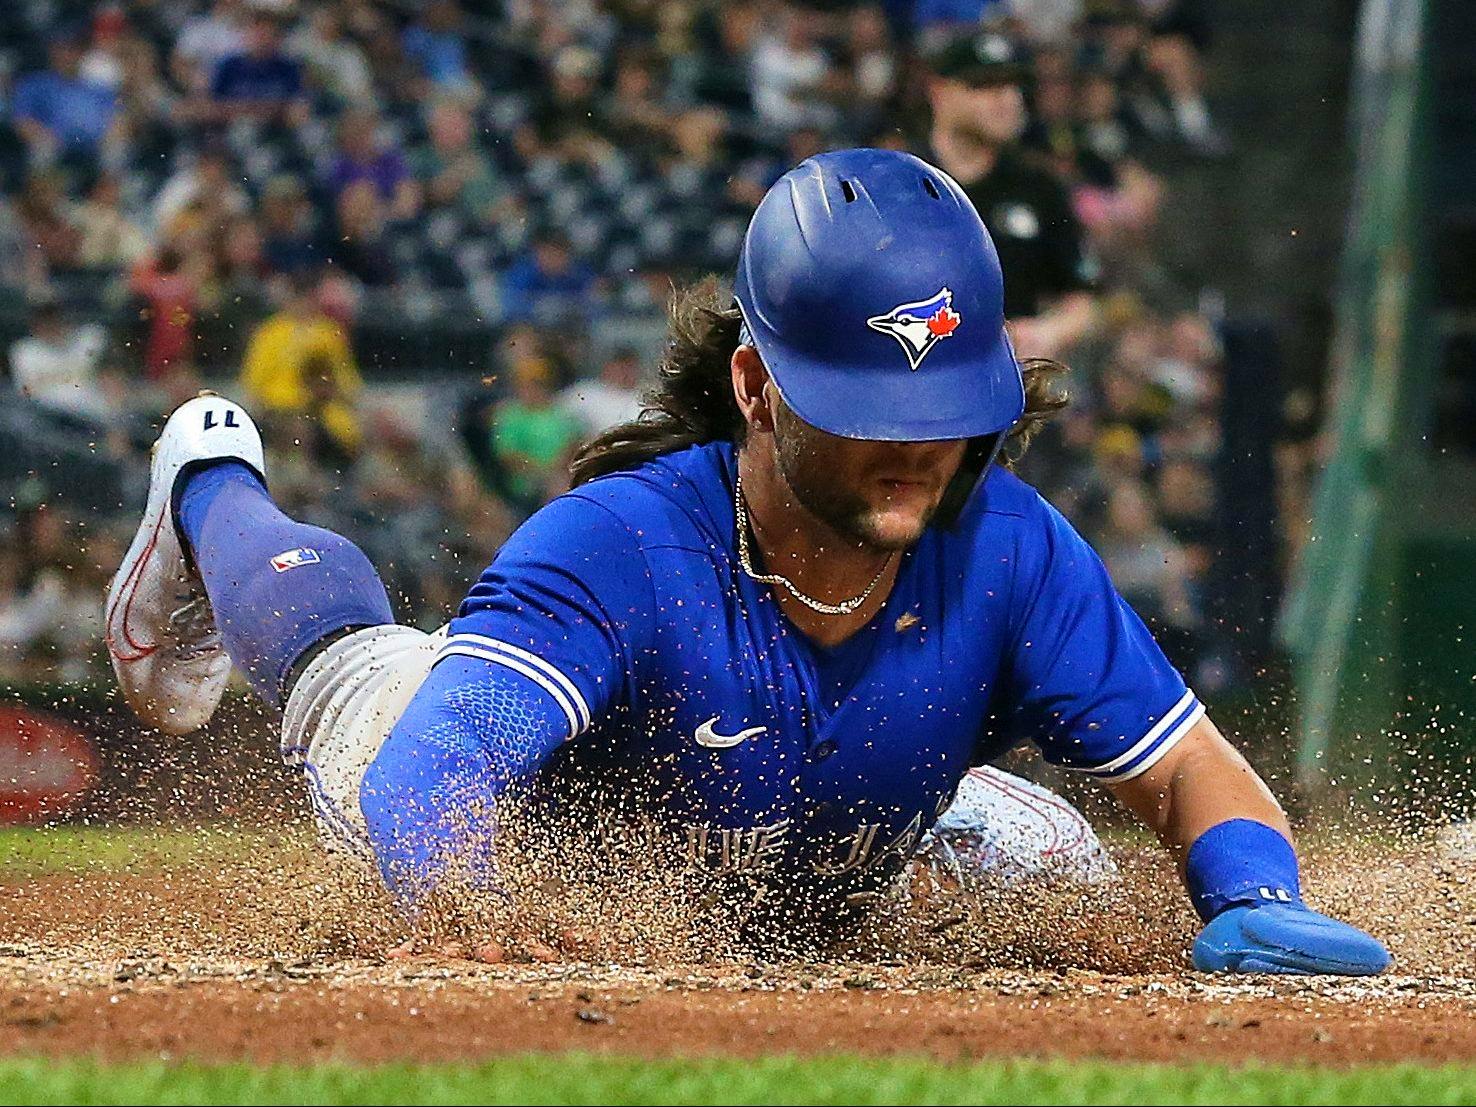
(822, 750)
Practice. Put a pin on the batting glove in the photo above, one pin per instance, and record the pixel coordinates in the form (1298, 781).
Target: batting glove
(1286, 938)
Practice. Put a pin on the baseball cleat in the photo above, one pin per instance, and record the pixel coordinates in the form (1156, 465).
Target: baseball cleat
(160, 630)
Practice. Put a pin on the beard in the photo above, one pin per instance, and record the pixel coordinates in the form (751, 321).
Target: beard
(800, 454)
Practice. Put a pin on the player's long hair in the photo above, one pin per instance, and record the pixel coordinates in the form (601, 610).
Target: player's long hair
(692, 402)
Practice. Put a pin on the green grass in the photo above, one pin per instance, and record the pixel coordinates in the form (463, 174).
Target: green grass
(581, 1078)
(28, 852)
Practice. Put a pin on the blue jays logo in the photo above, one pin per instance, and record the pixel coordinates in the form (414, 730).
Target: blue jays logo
(919, 326)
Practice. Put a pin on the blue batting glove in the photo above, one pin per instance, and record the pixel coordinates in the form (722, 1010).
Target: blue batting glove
(1286, 938)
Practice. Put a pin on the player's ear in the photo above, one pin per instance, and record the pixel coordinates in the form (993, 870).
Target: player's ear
(749, 379)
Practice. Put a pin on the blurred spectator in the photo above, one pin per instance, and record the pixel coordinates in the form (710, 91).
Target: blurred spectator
(873, 68)
(31, 605)
(565, 113)
(364, 156)
(358, 245)
(436, 43)
(635, 115)
(335, 64)
(1116, 198)
(48, 227)
(1186, 498)
(59, 112)
(531, 437)
(290, 241)
(55, 365)
(48, 601)
(612, 397)
(547, 285)
(1183, 114)
(242, 259)
(235, 298)
(399, 81)
(978, 117)
(791, 75)
(102, 63)
(211, 178)
(1105, 130)
(146, 103)
(260, 82)
(1147, 565)
(109, 239)
(453, 172)
(726, 36)
(206, 40)
(298, 363)
(169, 285)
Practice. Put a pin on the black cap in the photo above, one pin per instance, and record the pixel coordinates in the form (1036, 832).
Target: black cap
(989, 58)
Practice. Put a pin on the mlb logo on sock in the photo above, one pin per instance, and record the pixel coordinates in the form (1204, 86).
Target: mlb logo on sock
(291, 559)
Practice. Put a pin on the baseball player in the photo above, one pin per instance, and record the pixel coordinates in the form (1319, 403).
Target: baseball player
(788, 617)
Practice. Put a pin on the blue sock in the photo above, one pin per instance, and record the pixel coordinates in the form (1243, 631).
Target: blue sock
(276, 586)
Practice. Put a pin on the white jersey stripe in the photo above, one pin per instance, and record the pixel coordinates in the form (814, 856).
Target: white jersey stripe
(1165, 743)
(1170, 717)
(481, 653)
(569, 687)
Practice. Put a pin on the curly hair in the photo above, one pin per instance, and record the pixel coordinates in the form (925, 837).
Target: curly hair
(692, 402)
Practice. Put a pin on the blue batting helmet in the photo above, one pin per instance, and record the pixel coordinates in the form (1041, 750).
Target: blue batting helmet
(873, 293)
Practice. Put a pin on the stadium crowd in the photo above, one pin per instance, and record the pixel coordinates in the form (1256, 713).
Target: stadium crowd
(240, 194)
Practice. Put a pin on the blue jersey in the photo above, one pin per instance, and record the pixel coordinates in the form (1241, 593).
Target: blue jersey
(635, 650)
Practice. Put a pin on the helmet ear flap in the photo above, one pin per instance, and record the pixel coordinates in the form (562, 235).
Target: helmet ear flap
(979, 454)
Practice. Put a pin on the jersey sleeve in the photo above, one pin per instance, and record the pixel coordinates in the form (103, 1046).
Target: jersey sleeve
(1087, 682)
(540, 651)
(568, 603)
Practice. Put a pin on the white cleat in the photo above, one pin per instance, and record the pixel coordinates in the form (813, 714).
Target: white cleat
(160, 630)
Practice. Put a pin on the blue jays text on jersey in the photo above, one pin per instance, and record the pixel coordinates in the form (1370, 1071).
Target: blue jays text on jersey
(622, 643)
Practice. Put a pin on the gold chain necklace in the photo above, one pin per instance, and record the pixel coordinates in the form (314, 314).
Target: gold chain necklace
(845, 607)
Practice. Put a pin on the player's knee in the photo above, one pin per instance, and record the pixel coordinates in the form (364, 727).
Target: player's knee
(324, 578)
(350, 581)
(305, 586)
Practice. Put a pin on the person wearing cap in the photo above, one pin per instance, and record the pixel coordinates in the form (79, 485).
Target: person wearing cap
(978, 115)
(768, 644)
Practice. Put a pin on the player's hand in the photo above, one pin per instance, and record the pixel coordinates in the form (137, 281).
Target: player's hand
(570, 944)
(1286, 938)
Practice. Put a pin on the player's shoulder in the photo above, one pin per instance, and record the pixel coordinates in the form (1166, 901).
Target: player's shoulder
(676, 499)
(1003, 494)
(1005, 521)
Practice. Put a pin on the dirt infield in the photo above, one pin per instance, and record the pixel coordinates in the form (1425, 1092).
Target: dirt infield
(439, 1010)
(268, 958)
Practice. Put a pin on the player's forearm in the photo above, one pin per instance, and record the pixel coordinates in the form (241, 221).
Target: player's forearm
(1226, 830)
(1240, 867)
(1201, 783)
(431, 797)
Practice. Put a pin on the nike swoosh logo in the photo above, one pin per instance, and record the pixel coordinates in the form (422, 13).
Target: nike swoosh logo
(710, 738)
